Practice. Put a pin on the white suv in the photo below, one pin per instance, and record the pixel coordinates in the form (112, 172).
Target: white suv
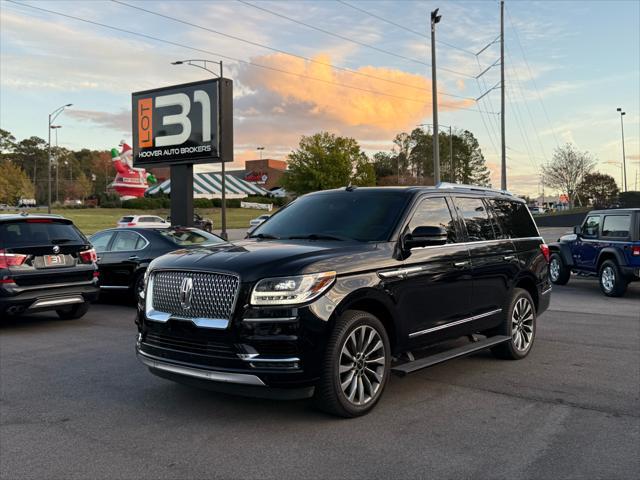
(142, 221)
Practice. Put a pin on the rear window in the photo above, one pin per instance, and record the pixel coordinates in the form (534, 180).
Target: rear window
(126, 219)
(476, 218)
(37, 232)
(616, 226)
(514, 218)
(185, 237)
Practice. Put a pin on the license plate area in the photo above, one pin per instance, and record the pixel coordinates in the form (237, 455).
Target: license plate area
(54, 261)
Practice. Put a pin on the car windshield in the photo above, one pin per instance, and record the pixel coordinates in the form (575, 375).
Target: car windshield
(363, 215)
(38, 232)
(126, 219)
(190, 236)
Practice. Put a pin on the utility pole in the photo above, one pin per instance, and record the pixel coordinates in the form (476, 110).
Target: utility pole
(453, 171)
(503, 178)
(52, 116)
(624, 158)
(435, 18)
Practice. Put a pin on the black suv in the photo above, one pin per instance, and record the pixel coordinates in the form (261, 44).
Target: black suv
(46, 263)
(342, 287)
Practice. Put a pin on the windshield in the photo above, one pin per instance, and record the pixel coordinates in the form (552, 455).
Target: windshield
(355, 215)
(185, 237)
(38, 232)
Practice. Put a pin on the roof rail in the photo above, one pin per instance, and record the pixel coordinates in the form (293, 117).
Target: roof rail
(473, 187)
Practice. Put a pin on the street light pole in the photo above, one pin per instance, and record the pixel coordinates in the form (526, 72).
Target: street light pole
(503, 166)
(195, 63)
(624, 159)
(56, 127)
(260, 149)
(435, 18)
(52, 116)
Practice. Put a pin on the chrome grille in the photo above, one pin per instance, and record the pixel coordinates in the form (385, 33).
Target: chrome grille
(213, 294)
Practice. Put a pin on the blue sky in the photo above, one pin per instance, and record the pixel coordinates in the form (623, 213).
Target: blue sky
(568, 66)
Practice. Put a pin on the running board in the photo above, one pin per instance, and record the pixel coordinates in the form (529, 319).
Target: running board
(410, 367)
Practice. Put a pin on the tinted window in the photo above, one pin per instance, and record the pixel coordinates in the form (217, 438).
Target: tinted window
(360, 215)
(126, 242)
(101, 240)
(515, 220)
(476, 218)
(591, 226)
(185, 237)
(126, 219)
(38, 232)
(434, 212)
(616, 226)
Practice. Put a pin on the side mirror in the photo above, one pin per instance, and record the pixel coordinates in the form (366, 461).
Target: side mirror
(577, 230)
(425, 236)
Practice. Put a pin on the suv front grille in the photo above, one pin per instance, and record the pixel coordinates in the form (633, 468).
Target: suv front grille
(191, 345)
(213, 294)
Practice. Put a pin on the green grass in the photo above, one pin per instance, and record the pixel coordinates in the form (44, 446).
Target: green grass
(91, 220)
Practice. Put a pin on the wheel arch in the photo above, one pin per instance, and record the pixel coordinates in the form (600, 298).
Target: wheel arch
(528, 283)
(609, 253)
(564, 251)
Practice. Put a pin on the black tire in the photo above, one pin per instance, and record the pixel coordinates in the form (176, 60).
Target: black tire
(612, 282)
(512, 350)
(73, 312)
(369, 373)
(137, 286)
(558, 271)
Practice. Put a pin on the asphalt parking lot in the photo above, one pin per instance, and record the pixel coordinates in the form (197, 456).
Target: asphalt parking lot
(75, 403)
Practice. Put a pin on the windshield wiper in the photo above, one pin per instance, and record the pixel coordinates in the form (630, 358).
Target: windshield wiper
(317, 236)
(265, 236)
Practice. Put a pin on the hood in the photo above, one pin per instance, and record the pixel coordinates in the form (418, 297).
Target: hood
(255, 259)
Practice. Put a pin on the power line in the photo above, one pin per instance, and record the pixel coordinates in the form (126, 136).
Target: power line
(533, 80)
(245, 62)
(342, 37)
(403, 27)
(284, 52)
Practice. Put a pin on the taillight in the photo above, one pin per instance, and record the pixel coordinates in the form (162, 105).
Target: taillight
(635, 250)
(545, 251)
(11, 259)
(131, 224)
(88, 256)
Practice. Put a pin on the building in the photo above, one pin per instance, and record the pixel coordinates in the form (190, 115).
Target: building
(266, 172)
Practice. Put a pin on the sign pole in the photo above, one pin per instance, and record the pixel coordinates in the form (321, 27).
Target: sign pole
(182, 195)
(223, 212)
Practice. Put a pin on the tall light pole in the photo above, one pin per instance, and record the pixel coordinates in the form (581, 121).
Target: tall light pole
(453, 172)
(624, 159)
(52, 116)
(56, 127)
(435, 18)
(202, 64)
(260, 149)
(503, 165)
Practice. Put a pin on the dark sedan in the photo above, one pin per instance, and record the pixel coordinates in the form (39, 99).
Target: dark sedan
(125, 253)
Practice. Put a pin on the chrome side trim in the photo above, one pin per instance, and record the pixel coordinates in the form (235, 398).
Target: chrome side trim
(548, 290)
(453, 324)
(53, 302)
(114, 287)
(254, 357)
(226, 377)
(401, 272)
(274, 319)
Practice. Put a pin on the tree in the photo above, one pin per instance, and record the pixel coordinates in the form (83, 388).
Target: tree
(31, 155)
(324, 161)
(567, 169)
(7, 141)
(14, 183)
(598, 188)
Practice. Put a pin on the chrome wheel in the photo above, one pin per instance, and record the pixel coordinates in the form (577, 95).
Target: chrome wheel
(362, 364)
(554, 269)
(522, 320)
(608, 278)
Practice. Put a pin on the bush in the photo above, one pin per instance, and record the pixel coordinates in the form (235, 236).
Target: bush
(630, 199)
(148, 203)
(202, 203)
(231, 202)
(109, 200)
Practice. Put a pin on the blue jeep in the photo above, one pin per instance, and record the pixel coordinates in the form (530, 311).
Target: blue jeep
(607, 244)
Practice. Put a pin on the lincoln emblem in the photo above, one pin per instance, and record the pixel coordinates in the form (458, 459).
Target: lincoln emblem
(186, 289)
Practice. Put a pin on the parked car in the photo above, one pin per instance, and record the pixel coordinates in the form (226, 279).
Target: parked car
(125, 254)
(202, 223)
(254, 222)
(46, 263)
(537, 210)
(321, 298)
(607, 245)
(143, 221)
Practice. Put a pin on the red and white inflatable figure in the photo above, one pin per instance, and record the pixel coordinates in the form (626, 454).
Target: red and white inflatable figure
(129, 182)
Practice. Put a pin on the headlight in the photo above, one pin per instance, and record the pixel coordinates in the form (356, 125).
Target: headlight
(291, 290)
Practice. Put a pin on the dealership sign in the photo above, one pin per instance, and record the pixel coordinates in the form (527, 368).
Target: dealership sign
(189, 123)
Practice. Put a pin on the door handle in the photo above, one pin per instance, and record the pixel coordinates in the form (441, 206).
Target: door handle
(460, 264)
(508, 258)
(133, 257)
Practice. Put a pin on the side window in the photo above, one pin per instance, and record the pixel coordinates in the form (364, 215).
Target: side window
(591, 226)
(434, 212)
(616, 226)
(125, 242)
(514, 218)
(476, 218)
(101, 241)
